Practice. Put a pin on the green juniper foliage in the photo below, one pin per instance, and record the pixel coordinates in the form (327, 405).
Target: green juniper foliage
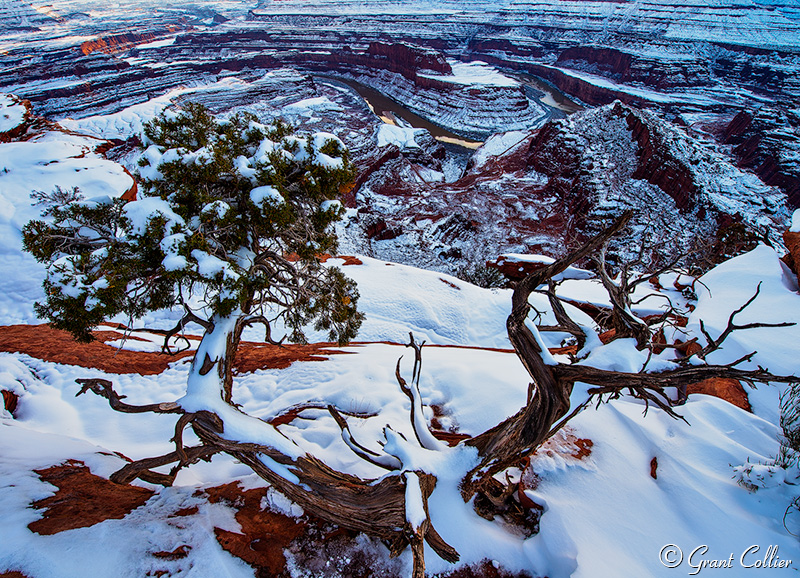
(233, 217)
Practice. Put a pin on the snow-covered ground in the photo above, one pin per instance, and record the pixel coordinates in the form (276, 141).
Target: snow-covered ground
(49, 160)
(473, 74)
(12, 113)
(604, 514)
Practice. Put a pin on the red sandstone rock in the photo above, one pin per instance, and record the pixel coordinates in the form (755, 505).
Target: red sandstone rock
(765, 140)
(43, 342)
(83, 499)
(10, 400)
(484, 569)
(264, 534)
(130, 194)
(792, 241)
(656, 165)
(514, 270)
(608, 336)
(408, 59)
(728, 389)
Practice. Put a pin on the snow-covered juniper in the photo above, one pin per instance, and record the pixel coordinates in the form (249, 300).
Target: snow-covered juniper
(229, 229)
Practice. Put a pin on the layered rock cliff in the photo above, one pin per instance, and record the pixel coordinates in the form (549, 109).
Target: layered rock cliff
(528, 192)
(767, 141)
(691, 63)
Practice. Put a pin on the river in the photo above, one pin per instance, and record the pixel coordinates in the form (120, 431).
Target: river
(549, 96)
(556, 104)
(391, 112)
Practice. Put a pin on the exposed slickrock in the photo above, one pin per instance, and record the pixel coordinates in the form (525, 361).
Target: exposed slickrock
(263, 534)
(792, 240)
(83, 499)
(274, 543)
(728, 389)
(10, 401)
(57, 346)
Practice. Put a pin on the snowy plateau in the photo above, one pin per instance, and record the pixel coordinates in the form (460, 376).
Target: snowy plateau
(490, 140)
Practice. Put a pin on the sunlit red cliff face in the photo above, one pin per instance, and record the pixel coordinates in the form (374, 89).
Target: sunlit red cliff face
(115, 44)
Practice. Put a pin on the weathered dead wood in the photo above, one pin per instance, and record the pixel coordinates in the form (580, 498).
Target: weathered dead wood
(623, 321)
(375, 507)
(384, 460)
(189, 317)
(549, 393)
(564, 321)
(548, 401)
(714, 344)
(142, 468)
(418, 422)
(104, 388)
(379, 508)
(183, 421)
(616, 380)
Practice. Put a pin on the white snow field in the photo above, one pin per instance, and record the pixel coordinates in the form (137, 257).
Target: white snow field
(604, 515)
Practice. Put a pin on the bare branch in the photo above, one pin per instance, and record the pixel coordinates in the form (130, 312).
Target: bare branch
(714, 344)
(104, 388)
(260, 319)
(564, 321)
(385, 461)
(418, 423)
(142, 468)
(184, 420)
(187, 318)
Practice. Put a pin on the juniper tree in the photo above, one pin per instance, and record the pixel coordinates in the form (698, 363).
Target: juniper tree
(230, 227)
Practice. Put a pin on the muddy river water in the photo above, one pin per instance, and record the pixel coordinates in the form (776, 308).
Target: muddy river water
(555, 103)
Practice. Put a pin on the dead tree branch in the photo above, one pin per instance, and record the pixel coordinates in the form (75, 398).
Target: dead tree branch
(104, 388)
(142, 469)
(714, 344)
(548, 406)
(376, 507)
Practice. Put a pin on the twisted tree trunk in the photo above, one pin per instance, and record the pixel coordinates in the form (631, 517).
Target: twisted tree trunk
(548, 394)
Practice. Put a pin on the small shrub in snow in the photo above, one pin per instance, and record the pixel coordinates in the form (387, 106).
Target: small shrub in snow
(482, 276)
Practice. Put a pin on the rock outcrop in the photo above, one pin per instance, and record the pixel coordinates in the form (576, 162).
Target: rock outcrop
(792, 258)
(15, 116)
(767, 141)
(83, 499)
(470, 99)
(659, 71)
(115, 43)
(567, 177)
(530, 190)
